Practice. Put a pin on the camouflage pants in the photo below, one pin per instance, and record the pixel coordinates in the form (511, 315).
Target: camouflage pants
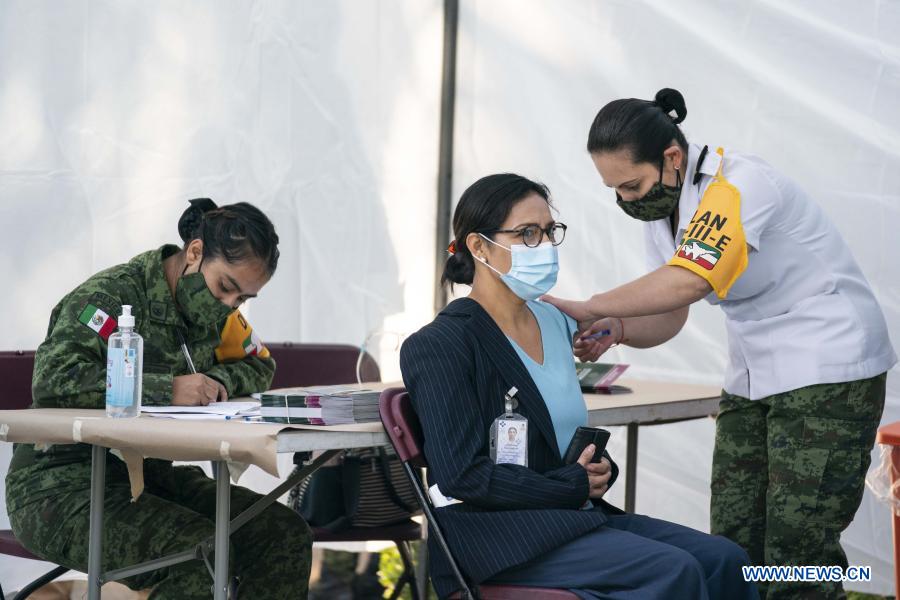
(789, 473)
(270, 555)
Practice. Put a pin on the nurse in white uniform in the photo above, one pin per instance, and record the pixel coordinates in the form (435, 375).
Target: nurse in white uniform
(808, 344)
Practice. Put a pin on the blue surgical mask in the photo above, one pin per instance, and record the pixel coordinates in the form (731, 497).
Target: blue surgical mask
(533, 271)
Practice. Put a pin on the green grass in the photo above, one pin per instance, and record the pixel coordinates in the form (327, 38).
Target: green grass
(390, 568)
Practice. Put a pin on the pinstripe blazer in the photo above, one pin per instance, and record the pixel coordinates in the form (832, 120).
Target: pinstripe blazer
(457, 370)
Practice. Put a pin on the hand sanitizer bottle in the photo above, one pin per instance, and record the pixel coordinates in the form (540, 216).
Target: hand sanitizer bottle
(124, 368)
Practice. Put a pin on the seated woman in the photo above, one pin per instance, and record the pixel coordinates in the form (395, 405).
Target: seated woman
(546, 524)
(185, 303)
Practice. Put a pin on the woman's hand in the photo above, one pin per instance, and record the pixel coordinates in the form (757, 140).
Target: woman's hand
(598, 473)
(197, 390)
(589, 350)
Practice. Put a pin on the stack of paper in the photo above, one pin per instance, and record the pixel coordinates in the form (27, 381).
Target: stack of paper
(213, 410)
(324, 405)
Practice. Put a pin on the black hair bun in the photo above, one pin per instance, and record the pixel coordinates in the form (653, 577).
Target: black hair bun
(190, 220)
(670, 100)
(459, 268)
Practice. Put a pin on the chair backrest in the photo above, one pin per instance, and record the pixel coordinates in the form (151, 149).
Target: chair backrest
(16, 368)
(320, 364)
(402, 426)
(405, 432)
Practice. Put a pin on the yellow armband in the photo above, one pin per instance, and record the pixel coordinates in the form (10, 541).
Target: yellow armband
(714, 245)
(238, 340)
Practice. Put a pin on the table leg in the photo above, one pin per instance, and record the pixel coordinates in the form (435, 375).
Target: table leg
(895, 474)
(631, 443)
(223, 519)
(95, 535)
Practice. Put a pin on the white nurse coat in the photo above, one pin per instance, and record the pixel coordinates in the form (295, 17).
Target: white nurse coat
(801, 313)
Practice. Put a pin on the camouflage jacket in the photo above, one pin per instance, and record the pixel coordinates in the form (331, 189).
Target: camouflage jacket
(70, 364)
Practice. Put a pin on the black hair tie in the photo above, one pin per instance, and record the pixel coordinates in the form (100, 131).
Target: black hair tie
(204, 204)
(191, 222)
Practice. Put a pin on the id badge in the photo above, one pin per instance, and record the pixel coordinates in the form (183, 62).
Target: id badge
(509, 434)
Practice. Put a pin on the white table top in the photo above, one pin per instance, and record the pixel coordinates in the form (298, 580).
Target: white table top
(258, 444)
(652, 402)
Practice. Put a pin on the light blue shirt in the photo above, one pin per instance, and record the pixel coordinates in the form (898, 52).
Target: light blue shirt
(556, 379)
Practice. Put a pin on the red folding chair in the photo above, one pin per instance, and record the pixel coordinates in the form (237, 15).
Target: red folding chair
(403, 428)
(15, 394)
(332, 364)
(302, 365)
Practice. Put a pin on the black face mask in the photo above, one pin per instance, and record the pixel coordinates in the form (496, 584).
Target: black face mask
(658, 203)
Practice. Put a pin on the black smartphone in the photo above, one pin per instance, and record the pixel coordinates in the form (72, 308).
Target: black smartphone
(580, 440)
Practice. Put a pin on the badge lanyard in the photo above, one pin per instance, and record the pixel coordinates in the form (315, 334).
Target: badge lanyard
(509, 434)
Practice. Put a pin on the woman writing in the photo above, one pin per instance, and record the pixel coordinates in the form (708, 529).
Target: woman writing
(180, 296)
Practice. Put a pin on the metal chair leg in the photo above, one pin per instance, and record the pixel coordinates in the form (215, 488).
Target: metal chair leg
(409, 571)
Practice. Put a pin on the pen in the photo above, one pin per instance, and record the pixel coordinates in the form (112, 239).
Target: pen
(598, 335)
(250, 418)
(187, 355)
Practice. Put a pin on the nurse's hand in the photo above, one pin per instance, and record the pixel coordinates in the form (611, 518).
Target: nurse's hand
(196, 390)
(577, 309)
(589, 350)
(598, 473)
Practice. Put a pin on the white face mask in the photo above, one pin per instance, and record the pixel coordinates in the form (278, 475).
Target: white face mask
(533, 272)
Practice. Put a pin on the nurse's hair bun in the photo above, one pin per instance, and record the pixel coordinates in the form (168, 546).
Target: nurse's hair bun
(642, 128)
(189, 223)
(669, 101)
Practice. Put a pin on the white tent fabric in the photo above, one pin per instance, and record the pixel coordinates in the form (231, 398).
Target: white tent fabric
(325, 114)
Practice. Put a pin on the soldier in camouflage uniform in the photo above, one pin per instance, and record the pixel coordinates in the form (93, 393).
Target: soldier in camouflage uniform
(190, 294)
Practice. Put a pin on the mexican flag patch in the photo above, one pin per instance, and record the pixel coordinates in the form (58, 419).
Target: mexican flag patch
(238, 340)
(99, 321)
(702, 254)
(252, 344)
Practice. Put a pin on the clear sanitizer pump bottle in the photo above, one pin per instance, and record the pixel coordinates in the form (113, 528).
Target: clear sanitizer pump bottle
(124, 368)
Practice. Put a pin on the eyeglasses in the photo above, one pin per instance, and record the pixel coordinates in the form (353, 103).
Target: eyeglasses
(532, 235)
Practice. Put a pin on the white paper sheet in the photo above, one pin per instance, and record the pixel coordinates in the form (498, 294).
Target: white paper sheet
(214, 408)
